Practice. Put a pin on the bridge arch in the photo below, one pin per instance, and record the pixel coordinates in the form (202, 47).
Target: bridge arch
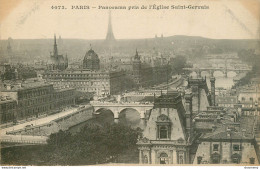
(104, 115)
(219, 73)
(130, 116)
(101, 110)
(128, 108)
(231, 73)
(205, 73)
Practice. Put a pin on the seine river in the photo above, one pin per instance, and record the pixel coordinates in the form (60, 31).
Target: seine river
(221, 80)
(131, 117)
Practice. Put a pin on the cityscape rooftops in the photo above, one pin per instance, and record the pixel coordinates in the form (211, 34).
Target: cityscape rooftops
(226, 135)
(11, 86)
(6, 99)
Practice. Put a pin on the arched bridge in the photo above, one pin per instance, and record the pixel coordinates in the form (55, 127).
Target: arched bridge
(212, 70)
(117, 107)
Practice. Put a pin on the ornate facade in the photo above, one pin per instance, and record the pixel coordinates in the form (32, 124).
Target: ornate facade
(168, 135)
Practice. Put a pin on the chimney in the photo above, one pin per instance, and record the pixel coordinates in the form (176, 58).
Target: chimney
(244, 132)
(228, 132)
(16, 74)
(214, 128)
(8, 87)
(188, 114)
(212, 82)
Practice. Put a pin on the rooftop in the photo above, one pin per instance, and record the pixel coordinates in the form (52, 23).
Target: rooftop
(28, 84)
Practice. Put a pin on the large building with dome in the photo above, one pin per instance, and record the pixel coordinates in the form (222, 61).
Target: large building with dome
(90, 79)
(91, 60)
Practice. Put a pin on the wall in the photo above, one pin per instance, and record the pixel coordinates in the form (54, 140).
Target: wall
(63, 123)
(225, 151)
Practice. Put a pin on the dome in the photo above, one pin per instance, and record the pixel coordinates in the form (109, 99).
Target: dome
(91, 54)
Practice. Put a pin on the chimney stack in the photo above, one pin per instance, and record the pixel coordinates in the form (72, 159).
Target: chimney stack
(188, 114)
(212, 82)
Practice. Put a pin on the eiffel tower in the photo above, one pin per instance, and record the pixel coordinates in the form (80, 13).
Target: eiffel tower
(110, 36)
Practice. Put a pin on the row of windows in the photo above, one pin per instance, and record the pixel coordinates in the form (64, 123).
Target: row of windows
(33, 111)
(78, 75)
(45, 99)
(236, 147)
(164, 159)
(34, 93)
(7, 106)
(251, 99)
(85, 83)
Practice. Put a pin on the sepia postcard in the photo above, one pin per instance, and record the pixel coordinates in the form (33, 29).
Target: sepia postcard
(130, 82)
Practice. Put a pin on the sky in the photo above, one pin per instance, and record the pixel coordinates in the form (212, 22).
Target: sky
(34, 19)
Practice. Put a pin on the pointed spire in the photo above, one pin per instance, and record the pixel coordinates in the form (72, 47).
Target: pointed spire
(136, 52)
(90, 46)
(55, 49)
(55, 39)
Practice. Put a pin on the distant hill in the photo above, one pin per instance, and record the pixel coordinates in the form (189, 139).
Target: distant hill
(76, 48)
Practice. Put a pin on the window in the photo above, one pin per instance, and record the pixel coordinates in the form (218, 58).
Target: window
(252, 160)
(181, 161)
(163, 132)
(199, 159)
(236, 147)
(215, 158)
(243, 99)
(251, 99)
(163, 127)
(164, 158)
(236, 158)
(145, 160)
(215, 147)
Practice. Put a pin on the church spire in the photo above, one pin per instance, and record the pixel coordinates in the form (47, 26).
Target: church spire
(55, 49)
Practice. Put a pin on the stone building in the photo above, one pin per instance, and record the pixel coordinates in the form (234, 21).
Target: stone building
(8, 109)
(35, 98)
(168, 136)
(226, 147)
(146, 76)
(57, 62)
(99, 82)
(91, 60)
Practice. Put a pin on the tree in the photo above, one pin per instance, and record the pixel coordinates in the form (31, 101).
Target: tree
(178, 64)
(94, 144)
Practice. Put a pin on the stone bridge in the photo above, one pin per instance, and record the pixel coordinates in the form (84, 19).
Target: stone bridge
(211, 70)
(117, 107)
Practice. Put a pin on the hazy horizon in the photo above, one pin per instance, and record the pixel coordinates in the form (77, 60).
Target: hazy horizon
(223, 20)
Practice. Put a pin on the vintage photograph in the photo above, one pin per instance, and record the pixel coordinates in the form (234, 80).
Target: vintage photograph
(120, 82)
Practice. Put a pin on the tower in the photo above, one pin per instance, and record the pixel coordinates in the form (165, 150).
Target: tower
(137, 69)
(212, 83)
(58, 62)
(110, 36)
(55, 48)
(188, 115)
